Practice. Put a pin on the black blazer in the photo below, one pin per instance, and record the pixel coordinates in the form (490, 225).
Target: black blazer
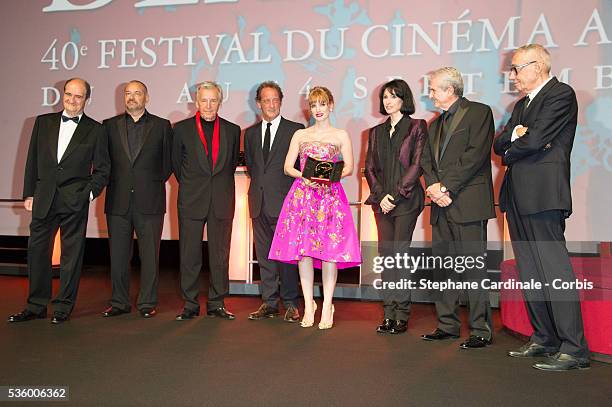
(539, 162)
(414, 134)
(202, 189)
(464, 165)
(268, 179)
(144, 176)
(84, 167)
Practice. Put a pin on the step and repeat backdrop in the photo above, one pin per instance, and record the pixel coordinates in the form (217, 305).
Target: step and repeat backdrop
(352, 47)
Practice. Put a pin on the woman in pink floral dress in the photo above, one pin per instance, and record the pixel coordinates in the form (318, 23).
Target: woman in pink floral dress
(315, 227)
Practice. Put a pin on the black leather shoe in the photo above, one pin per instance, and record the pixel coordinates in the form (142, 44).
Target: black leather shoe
(187, 314)
(148, 312)
(438, 335)
(264, 311)
(292, 314)
(561, 362)
(221, 313)
(59, 318)
(399, 327)
(530, 350)
(474, 342)
(113, 312)
(26, 315)
(386, 326)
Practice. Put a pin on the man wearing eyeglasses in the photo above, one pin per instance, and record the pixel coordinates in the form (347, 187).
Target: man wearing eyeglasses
(536, 197)
(66, 168)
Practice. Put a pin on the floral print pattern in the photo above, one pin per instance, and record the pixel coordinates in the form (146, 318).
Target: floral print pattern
(316, 221)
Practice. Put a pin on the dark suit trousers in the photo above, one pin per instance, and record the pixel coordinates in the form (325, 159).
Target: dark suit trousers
(539, 248)
(219, 233)
(395, 236)
(120, 232)
(272, 271)
(462, 239)
(73, 226)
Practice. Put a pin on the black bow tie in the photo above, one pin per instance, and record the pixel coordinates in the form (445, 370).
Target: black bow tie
(74, 119)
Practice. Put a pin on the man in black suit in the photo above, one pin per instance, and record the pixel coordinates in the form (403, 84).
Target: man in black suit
(457, 169)
(140, 146)
(204, 156)
(535, 146)
(66, 168)
(265, 145)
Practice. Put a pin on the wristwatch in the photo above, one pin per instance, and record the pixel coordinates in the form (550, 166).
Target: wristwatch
(443, 189)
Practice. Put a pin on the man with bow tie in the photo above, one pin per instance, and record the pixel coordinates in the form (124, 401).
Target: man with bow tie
(67, 167)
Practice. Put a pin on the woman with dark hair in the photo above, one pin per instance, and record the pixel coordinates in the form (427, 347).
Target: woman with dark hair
(393, 169)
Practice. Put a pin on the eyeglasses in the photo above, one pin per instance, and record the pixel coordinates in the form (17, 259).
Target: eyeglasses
(515, 69)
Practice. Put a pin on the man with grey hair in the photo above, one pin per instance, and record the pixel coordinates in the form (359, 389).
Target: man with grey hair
(265, 146)
(204, 158)
(456, 165)
(536, 197)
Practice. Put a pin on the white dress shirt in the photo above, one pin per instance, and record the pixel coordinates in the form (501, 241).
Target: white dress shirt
(531, 95)
(66, 132)
(273, 128)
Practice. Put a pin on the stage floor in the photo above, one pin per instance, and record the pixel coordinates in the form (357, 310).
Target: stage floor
(130, 361)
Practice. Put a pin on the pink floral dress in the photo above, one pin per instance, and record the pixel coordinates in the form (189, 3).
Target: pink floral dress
(316, 221)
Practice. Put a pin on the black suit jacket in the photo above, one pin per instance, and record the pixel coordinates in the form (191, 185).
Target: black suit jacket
(203, 189)
(464, 165)
(83, 168)
(268, 179)
(414, 134)
(144, 176)
(538, 163)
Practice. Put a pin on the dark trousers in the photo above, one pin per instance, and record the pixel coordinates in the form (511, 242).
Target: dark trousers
(459, 240)
(120, 233)
(73, 227)
(219, 234)
(272, 272)
(538, 242)
(395, 236)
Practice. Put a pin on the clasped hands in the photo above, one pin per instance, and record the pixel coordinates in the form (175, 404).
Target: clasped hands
(386, 204)
(310, 183)
(442, 199)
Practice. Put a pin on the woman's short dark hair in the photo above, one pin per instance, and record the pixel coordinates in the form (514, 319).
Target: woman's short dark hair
(399, 88)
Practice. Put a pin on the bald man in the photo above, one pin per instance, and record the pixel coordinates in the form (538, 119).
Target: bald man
(140, 148)
(66, 168)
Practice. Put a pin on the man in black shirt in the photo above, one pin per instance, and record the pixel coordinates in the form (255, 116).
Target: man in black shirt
(205, 155)
(141, 161)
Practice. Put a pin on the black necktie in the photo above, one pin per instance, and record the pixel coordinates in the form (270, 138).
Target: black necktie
(444, 129)
(74, 119)
(525, 106)
(266, 145)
